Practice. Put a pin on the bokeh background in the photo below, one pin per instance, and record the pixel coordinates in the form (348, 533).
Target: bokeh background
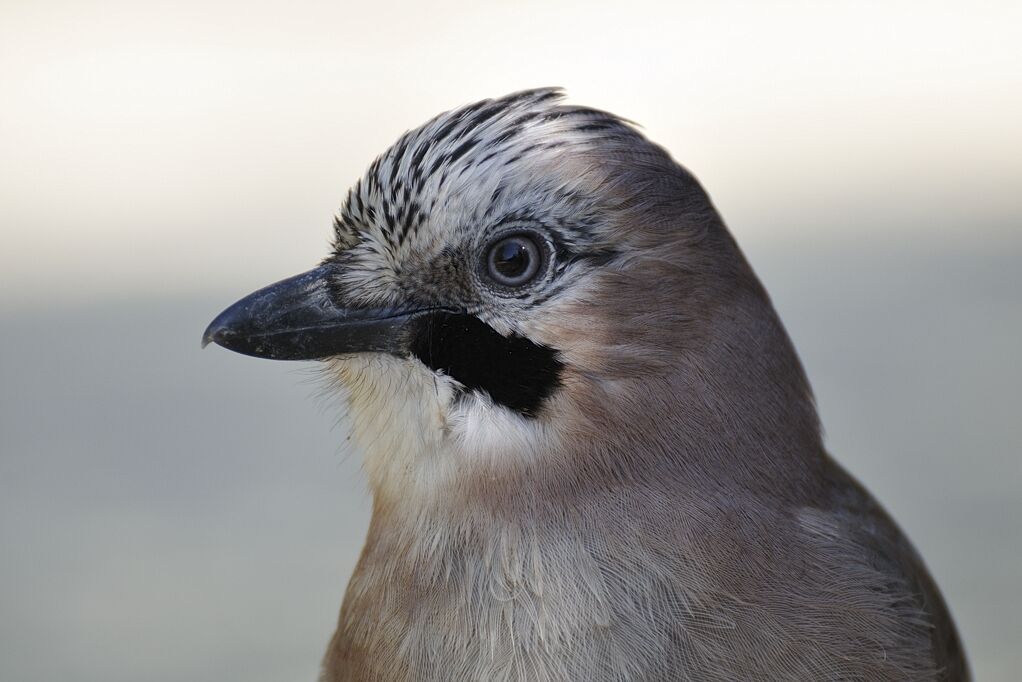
(171, 514)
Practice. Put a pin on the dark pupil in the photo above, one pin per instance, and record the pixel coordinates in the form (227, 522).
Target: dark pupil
(511, 258)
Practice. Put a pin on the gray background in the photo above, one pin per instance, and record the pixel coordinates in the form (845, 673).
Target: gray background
(169, 514)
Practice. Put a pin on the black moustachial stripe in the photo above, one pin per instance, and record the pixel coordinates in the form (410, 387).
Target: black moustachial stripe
(513, 370)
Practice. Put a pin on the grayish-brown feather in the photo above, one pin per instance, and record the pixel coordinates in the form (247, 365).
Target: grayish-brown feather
(671, 513)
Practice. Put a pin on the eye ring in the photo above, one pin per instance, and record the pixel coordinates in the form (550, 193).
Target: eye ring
(514, 260)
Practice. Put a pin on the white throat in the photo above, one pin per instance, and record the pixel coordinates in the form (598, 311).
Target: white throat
(420, 432)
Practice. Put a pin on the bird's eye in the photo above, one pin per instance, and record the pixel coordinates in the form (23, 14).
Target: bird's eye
(513, 261)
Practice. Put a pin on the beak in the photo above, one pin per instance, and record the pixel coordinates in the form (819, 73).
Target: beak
(297, 319)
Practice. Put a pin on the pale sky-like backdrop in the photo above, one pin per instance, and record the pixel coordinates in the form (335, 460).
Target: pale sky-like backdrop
(171, 514)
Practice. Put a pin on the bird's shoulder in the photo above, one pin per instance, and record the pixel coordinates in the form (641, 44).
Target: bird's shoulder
(855, 527)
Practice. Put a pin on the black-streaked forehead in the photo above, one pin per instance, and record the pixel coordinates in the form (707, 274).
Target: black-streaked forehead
(484, 147)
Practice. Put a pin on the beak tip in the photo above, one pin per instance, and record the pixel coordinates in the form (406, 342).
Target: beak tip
(213, 334)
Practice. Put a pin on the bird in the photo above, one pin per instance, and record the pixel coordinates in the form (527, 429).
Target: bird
(592, 449)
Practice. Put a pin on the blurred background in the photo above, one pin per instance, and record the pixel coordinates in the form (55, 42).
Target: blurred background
(170, 514)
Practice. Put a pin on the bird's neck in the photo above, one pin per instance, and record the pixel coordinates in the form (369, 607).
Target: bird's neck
(505, 534)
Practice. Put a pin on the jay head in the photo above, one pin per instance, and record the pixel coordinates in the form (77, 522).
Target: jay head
(592, 448)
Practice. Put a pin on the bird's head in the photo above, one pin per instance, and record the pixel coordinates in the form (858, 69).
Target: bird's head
(515, 278)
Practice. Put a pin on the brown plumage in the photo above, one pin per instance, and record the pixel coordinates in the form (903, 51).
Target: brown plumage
(610, 470)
